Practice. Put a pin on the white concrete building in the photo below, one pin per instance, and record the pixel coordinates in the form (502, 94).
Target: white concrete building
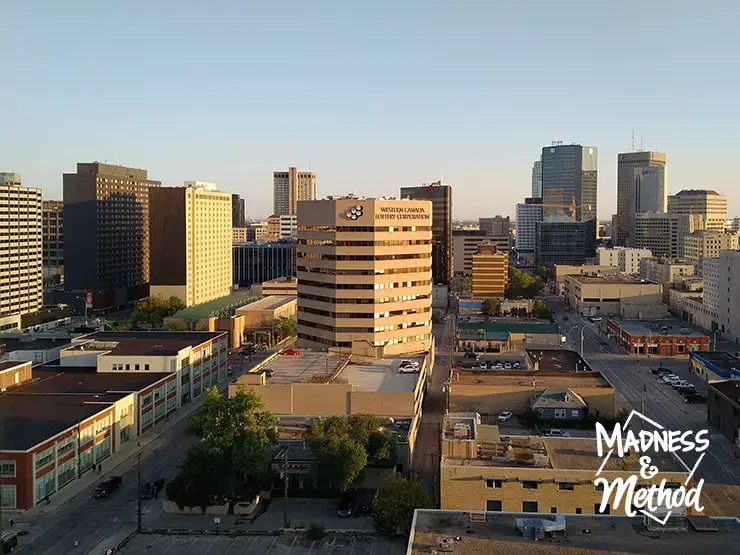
(527, 216)
(626, 259)
(729, 294)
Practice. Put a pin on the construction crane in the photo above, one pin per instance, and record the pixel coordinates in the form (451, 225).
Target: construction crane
(572, 207)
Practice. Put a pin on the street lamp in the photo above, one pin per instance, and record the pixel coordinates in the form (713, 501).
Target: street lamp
(581, 328)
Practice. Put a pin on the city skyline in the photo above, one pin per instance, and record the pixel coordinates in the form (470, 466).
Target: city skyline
(218, 112)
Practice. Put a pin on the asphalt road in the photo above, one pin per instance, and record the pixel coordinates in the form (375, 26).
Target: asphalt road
(93, 522)
(632, 378)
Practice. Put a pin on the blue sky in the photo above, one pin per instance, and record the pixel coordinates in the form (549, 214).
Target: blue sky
(373, 95)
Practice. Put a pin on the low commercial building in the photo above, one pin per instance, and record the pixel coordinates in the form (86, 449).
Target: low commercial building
(689, 306)
(476, 533)
(490, 271)
(504, 334)
(264, 312)
(624, 258)
(622, 295)
(60, 421)
(666, 337)
(723, 409)
(37, 350)
(279, 286)
(715, 366)
(239, 234)
(564, 270)
(482, 470)
(665, 270)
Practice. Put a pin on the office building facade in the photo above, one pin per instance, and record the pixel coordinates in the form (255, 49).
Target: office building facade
(563, 241)
(641, 187)
(706, 210)
(465, 244)
(106, 233)
(626, 259)
(191, 237)
(496, 226)
(537, 179)
(290, 187)
(527, 215)
(440, 194)
(258, 262)
(21, 258)
(661, 233)
(53, 237)
(570, 177)
(490, 272)
(707, 244)
(728, 289)
(238, 211)
(365, 275)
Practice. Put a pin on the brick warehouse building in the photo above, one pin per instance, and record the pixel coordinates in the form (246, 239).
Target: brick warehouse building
(60, 420)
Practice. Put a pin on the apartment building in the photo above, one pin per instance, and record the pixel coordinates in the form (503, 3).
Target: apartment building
(53, 237)
(527, 216)
(290, 187)
(282, 227)
(661, 233)
(21, 251)
(706, 210)
(707, 244)
(626, 259)
(490, 271)
(191, 239)
(364, 274)
(440, 195)
(239, 234)
(465, 244)
(106, 233)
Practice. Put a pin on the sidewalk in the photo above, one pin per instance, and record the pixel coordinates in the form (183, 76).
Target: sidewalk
(118, 463)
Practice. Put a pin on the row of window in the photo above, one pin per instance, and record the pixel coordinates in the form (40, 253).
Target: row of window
(352, 257)
(567, 486)
(376, 329)
(382, 300)
(127, 366)
(496, 505)
(374, 272)
(361, 315)
(363, 229)
(367, 286)
(381, 243)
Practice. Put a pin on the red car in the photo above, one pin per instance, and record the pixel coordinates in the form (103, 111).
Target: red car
(294, 352)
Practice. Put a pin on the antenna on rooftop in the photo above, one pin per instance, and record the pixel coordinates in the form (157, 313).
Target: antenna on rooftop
(632, 148)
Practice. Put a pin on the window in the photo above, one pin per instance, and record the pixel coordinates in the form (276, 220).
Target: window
(7, 496)
(493, 505)
(579, 511)
(527, 484)
(128, 367)
(606, 510)
(530, 507)
(137, 367)
(494, 483)
(7, 469)
(600, 487)
(566, 486)
(553, 509)
(146, 367)
(44, 458)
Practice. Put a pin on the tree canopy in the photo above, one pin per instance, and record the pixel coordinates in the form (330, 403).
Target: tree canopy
(234, 434)
(344, 446)
(523, 285)
(286, 327)
(491, 307)
(541, 311)
(394, 505)
(152, 311)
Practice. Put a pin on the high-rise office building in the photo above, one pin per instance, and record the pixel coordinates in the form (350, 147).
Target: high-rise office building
(365, 275)
(641, 187)
(465, 243)
(707, 210)
(662, 233)
(106, 232)
(258, 262)
(238, 211)
(53, 236)
(440, 194)
(564, 241)
(191, 237)
(496, 226)
(290, 187)
(570, 178)
(490, 271)
(527, 216)
(537, 179)
(21, 283)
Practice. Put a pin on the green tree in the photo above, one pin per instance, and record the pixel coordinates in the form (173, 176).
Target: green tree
(175, 325)
(541, 311)
(119, 325)
(546, 273)
(394, 505)
(491, 307)
(285, 327)
(466, 284)
(152, 311)
(523, 285)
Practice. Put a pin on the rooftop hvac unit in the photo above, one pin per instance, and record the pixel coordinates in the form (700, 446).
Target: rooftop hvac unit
(462, 430)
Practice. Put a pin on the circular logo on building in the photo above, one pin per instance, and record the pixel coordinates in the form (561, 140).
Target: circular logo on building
(353, 212)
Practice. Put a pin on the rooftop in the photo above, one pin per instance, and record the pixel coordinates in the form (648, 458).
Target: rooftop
(58, 398)
(664, 326)
(729, 388)
(31, 343)
(557, 360)
(309, 366)
(381, 375)
(609, 279)
(556, 453)
(223, 306)
(272, 302)
(500, 330)
(541, 378)
(8, 364)
(720, 359)
(584, 535)
(142, 343)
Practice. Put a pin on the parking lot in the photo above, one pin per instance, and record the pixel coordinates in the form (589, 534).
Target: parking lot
(262, 545)
(509, 362)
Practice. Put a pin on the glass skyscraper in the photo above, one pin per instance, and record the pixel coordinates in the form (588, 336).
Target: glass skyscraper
(570, 176)
(258, 262)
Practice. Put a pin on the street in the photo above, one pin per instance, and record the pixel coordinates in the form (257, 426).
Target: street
(639, 389)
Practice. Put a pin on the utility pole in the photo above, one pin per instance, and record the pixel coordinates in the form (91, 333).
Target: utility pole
(138, 492)
(285, 488)
(581, 342)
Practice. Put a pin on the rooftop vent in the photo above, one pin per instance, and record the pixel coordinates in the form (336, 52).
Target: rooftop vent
(541, 528)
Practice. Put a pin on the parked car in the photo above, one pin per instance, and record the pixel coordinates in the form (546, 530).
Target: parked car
(292, 352)
(694, 398)
(483, 366)
(555, 432)
(505, 416)
(680, 384)
(151, 488)
(106, 487)
(413, 363)
(594, 319)
(345, 505)
(498, 366)
(507, 365)
(668, 378)
(471, 355)
(517, 365)
(660, 370)
(8, 542)
(459, 363)
(407, 369)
